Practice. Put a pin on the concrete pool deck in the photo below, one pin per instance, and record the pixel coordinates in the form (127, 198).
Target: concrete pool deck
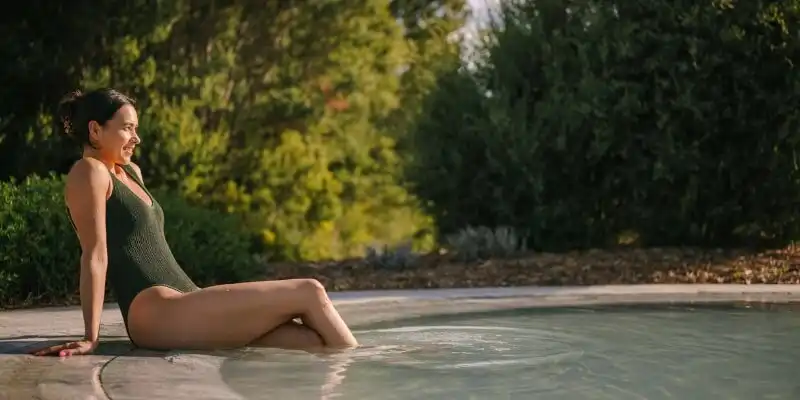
(119, 371)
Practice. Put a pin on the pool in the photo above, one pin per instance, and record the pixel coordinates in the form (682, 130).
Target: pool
(677, 351)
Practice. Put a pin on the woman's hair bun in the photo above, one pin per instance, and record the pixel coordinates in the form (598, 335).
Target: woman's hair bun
(68, 108)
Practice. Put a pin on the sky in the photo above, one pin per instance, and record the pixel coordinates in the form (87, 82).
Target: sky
(480, 14)
(480, 9)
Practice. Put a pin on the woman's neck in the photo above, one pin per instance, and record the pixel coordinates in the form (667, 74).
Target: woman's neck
(92, 153)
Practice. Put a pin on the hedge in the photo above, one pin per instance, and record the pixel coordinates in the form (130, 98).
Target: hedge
(39, 260)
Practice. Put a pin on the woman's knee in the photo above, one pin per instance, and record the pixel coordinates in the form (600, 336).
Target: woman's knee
(298, 295)
(312, 289)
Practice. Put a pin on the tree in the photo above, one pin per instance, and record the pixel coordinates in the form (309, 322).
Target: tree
(585, 120)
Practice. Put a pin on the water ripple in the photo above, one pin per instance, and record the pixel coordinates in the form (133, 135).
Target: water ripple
(641, 353)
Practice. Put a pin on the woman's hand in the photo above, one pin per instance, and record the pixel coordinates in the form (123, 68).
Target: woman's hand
(80, 347)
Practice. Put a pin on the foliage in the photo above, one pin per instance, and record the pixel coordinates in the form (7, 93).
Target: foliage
(212, 247)
(40, 261)
(393, 258)
(582, 120)
(288, 114)
(482, 243)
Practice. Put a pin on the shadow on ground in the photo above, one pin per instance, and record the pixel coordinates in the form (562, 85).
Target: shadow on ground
(21, 345)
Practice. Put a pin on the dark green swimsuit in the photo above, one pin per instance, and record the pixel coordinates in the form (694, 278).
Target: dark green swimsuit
(138, 254)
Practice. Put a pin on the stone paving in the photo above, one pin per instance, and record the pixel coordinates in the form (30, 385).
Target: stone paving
(118, 371)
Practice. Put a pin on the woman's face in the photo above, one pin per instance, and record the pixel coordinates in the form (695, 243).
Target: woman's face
(117, 139)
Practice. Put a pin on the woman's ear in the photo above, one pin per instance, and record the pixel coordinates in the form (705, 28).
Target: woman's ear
(94, 133)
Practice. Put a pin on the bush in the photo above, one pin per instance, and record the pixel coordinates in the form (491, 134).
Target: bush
(212, 247)
(392, 258)
(673, 120)
(39, 262)
(476, 243)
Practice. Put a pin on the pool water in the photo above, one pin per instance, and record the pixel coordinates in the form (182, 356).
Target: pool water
(622, 352)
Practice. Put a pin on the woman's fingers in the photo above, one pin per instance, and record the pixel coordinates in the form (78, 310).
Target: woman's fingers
(57, 349)
(50, 349)
(77, 348)
(74, 349)
(69, 349)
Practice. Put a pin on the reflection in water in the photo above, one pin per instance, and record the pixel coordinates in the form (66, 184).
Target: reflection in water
(334, 378)
(401, 358)
(273, 373)
(620, 353)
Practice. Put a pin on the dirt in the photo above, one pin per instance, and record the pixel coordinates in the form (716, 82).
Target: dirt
(592, 267)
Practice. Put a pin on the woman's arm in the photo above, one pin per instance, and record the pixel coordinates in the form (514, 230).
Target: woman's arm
(88, 186)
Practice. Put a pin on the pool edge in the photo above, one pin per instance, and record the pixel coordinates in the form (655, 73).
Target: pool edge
(359, 309)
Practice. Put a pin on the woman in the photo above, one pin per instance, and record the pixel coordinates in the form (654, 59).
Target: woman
(120, 228)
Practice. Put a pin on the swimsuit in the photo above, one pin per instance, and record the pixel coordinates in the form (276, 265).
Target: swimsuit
(138, 254)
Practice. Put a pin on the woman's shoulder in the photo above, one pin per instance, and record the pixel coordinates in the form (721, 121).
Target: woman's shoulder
(87, 166)
(88, 173)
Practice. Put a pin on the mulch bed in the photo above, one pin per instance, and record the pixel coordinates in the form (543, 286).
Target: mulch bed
(592, 267)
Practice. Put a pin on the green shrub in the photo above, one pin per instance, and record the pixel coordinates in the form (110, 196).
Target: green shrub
(481, 243)
(40, 252)
(212, 247)
(39, 261)
(674, 120)
(392, 258)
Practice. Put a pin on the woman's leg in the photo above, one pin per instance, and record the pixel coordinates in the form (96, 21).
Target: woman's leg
(233, 315)
(291, 336)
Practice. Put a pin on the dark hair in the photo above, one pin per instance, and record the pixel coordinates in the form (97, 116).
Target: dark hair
(77, 109)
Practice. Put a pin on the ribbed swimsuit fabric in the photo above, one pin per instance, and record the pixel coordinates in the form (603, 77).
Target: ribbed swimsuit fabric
(139, 256)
